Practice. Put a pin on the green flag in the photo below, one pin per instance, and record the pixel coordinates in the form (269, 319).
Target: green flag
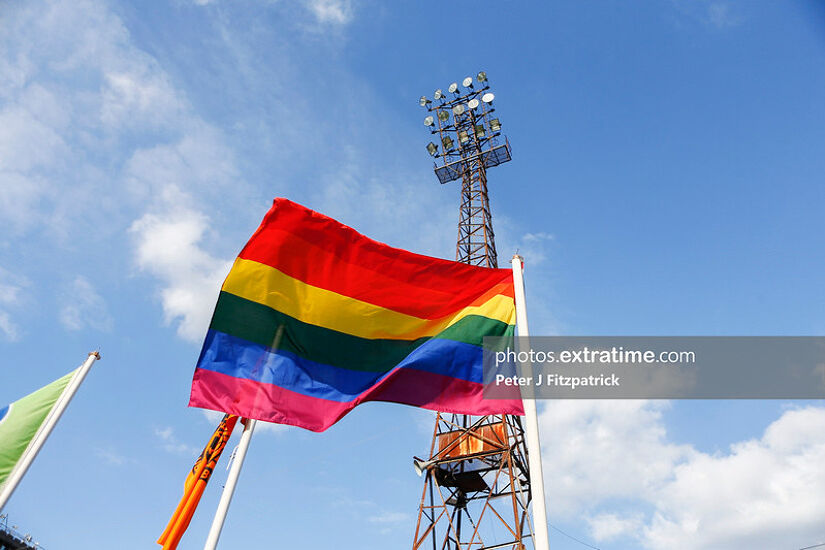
(20, 422)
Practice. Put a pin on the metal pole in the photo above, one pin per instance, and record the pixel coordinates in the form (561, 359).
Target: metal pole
(229, 488)
(542, 536)
(46, 429)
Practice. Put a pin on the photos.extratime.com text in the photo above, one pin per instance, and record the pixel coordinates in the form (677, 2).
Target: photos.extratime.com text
(586, 356)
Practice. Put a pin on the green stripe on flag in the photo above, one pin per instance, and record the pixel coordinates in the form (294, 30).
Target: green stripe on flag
(22, 419)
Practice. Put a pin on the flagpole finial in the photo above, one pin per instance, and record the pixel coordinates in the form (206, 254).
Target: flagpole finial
(96, 354)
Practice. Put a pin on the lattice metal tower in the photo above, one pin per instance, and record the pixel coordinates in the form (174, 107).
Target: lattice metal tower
(477, 481)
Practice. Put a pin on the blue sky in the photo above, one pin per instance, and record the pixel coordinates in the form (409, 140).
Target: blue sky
(666, 180)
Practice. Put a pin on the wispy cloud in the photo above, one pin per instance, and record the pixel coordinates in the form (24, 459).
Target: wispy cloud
(111, 456)
(11, 289)
(721, 15)
(336, 12)
(8, 327)
(83, 307)
(715, 14)
(386, 516)
(171, 444)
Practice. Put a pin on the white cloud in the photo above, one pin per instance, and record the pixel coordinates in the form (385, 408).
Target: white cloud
(717, 14)
(385, 516)
(171, 444)
(9, 329)
(83, 307)
(337, 12)
(720, 15)
(142, 96)
(168, 248)
(609, 526)
(765, 493)
(11, 289)
(111, 456)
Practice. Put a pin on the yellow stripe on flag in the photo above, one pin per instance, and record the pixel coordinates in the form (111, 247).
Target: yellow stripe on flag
(320, 307)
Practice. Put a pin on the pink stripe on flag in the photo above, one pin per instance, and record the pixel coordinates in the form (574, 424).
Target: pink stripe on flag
(270, 403)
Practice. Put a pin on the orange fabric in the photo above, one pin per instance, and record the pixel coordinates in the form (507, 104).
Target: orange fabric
(196, 483)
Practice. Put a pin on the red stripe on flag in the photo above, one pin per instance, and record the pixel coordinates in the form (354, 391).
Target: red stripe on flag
(325, 253)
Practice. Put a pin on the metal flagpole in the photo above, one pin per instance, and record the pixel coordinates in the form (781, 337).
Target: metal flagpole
(229, 488)
(541, 539)
(43, 433)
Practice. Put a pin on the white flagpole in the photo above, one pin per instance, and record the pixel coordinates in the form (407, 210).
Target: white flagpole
(541, 537)
(229, 488)
(46, 429)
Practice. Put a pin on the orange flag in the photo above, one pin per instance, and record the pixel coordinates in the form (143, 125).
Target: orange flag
(195, 484)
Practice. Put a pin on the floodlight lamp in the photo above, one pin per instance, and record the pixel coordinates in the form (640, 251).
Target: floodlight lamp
(458, 109)
(480, 131)
(432, 148)
(422, 466)
(488, 97)
(423, 101)
(448, 143)
(453, 88)
(428, 121)
(495, 125)
(481, 76)
(443, 116)
(473, 104)
(438, 94)
(463, 136)
(467, 82)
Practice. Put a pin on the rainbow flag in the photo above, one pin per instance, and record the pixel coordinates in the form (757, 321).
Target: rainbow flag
(315, 318)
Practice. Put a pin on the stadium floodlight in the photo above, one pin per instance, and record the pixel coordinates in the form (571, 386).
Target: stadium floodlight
(443, 116)
(480, 131)
(458, 109)
(453, 88)
(467, 82)
(495, 125)
(463, 136)
(448, 143)
(481, 76)
(432, 148)
(473, 104)
(422, 466)
(438, 94)
(488, 97)
(423, 101)
(428, 121)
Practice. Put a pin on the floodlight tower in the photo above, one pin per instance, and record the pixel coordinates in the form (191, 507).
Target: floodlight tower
(469, 135)
(477, 482)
